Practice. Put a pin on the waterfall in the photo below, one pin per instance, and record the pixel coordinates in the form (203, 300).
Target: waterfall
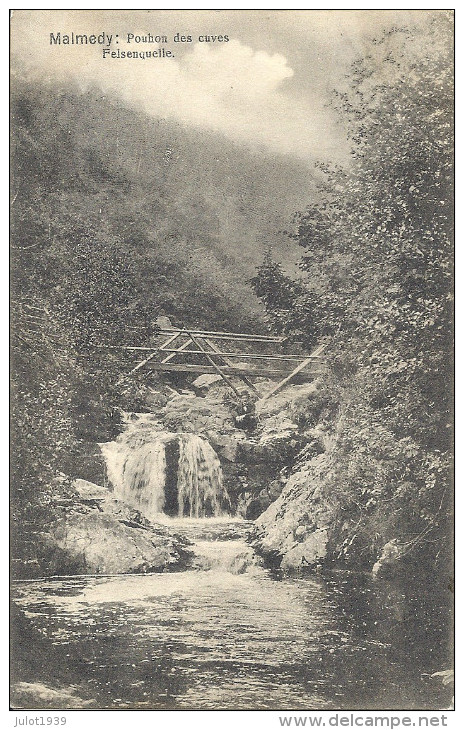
(141, 483)
(199, 480)
(178, 474)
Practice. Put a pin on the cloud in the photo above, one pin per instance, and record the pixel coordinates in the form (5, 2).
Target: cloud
(231, 89)
(269, 86)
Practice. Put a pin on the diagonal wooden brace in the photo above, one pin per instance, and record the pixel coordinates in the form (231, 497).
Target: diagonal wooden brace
(298, 369)
(215, 366)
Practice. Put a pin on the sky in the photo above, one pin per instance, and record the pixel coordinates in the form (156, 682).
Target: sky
(269, 86)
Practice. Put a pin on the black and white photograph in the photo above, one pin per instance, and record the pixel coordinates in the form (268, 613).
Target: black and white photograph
(231, 368)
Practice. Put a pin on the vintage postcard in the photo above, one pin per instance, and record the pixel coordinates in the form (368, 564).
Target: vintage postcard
(232, 327)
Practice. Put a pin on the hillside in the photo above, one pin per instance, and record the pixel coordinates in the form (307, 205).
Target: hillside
(195, 210)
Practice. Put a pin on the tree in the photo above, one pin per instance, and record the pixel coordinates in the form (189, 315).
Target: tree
(290, 307)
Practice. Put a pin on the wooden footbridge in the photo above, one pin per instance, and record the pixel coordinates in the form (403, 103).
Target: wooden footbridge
(181, 350)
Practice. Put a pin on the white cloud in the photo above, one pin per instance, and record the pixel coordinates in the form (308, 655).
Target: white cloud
(231, 89)
(244, 88)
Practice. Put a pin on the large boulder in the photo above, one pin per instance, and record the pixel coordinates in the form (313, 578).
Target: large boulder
(206, 380)
(294, 530)
(103, 535)
(103, 544)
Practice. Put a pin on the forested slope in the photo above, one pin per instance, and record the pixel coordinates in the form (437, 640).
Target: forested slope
(189, 202)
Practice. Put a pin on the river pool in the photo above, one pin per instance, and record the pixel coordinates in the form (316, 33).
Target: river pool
(226, 634)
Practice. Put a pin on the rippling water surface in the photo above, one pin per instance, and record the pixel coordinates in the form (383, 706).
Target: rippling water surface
(227, 634)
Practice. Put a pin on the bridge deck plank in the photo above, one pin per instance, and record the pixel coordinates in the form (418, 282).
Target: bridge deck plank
(258, 371)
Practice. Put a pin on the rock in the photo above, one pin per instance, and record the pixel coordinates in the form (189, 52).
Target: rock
(163, 322)
(308, 553)
(88, 491)
(124, 513)
(204, 381)
(256, 506)
(275, 489)
(110, 537)
(155, 399)
(30, 695)
(296, 525)
(287, 399)
(227, 447)
(384, 566)
(253, 506)
(102, 543)
(278, 428)
(193, 414)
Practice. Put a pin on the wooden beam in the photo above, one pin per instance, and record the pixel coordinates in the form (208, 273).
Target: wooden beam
(228, 362)
(145, 361)
(131, 348)
(137, 367)
(174, 352)
(211, 335)
(215, 366)
(238, 371)
(169, 341)
(245, 355)
(290, 377)
(141, 364)
(224, 335)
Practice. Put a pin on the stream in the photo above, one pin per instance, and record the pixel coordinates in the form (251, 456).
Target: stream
(228, 634)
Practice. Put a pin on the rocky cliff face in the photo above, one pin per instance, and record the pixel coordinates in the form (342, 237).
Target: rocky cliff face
(257, 461)
(293, 532)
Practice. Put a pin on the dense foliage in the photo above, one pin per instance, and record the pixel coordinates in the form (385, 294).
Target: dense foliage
(378, 264)
(291, 307)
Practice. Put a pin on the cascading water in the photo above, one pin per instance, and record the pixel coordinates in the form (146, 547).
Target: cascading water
(199, 484)
(172, 473)
(139, 478)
